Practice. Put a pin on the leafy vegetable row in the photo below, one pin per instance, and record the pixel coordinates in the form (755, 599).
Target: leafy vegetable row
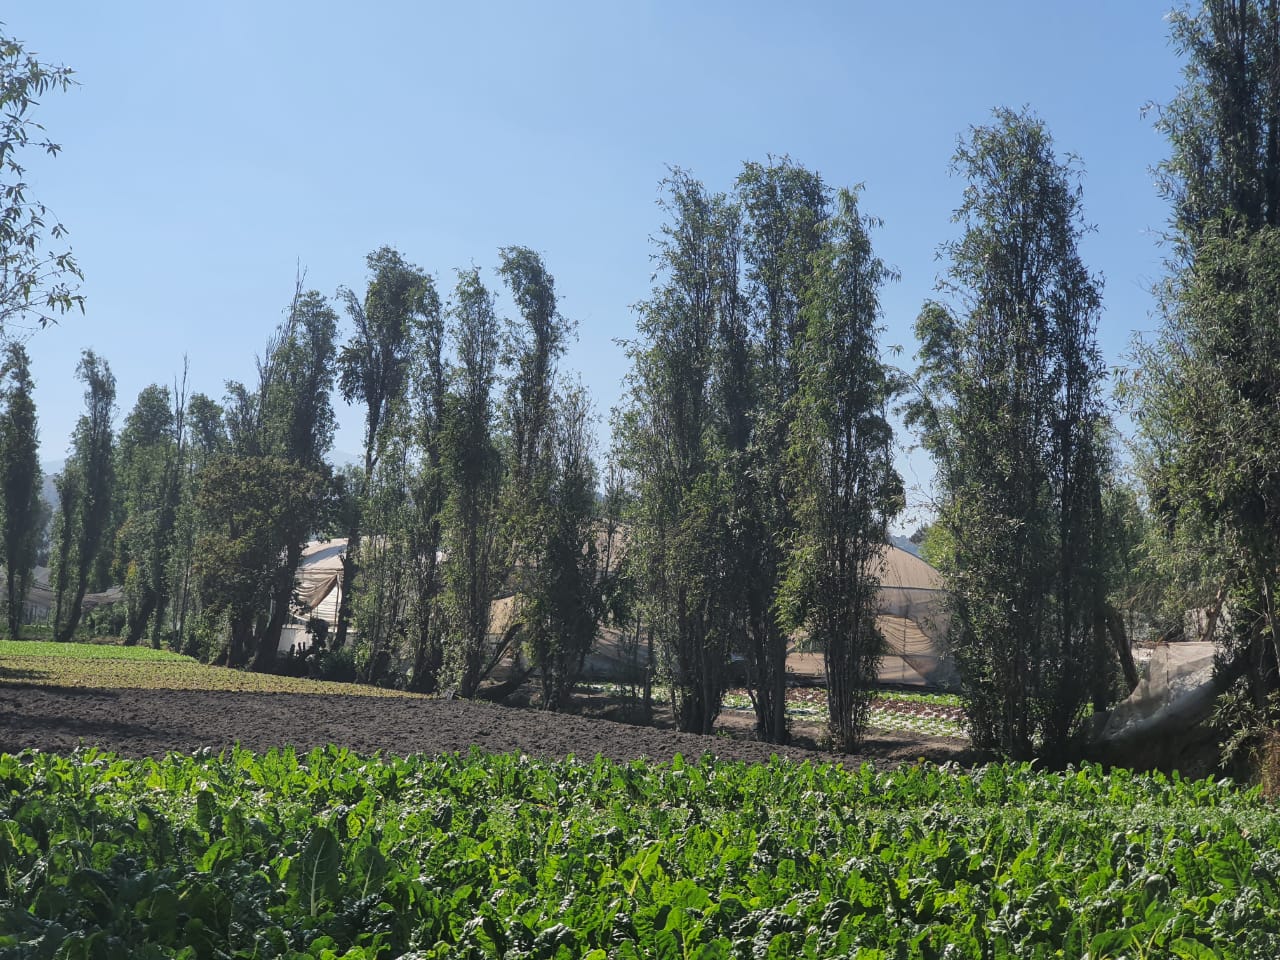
(333, 855)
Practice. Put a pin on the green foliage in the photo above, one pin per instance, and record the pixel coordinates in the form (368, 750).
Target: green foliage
(755, 441)
(295, 417)
(385, 586)
(842, 482)
(666, 433)
(426, 492)
(373, 369)
(277, 435)
(549, 502)
(935, 545)
(148, 482)
(472, 473)
(1217, 469)
(562, 583)
(202, 437)
(1206, 388)
(19, 482)
(250, 509)
(37, 284)
(331, 855)
(85, 494)
(1009, 402)
(536, 344)
(785, 208)
(87, 651)
(372, 365)
(1223, 167)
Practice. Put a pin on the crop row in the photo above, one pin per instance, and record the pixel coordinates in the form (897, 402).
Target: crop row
(934, 715)
(333, 855)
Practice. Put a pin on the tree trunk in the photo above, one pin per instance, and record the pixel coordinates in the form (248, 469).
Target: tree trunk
(74, 609)
(1114, 625)
(265, 658)
(138, 618)
(345, 588)
(1215, 612)
(778, 663)
(428, 654)
(14, 609)
(648, 669)
(241, 641)
(162, 608)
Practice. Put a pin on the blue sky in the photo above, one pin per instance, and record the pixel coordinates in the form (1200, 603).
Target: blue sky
(212, 148)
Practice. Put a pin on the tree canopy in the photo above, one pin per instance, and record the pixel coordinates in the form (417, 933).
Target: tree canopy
(39, 277)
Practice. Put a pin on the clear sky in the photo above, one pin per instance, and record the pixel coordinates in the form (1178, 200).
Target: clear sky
(212, 148)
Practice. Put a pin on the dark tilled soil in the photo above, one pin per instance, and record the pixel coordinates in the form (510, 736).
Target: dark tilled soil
(138, 723)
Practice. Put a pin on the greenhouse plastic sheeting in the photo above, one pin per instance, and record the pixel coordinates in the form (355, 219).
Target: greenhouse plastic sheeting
(1176, 690)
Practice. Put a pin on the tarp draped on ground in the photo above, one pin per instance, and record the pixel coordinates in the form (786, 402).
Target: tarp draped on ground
(1176, 691)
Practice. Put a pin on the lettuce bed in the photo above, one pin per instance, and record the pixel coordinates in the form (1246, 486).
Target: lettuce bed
(333, 855)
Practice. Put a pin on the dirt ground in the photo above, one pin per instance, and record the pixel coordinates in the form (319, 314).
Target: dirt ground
(140, 723)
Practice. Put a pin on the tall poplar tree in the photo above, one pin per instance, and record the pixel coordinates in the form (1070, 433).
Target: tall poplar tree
(1012, 368)
(562, 585)
(785, 208)
(472, 465)
(550, 496)
(430, 375)
(260, 501)
(297, 422)
(668, 440)
(537, 342)
(840, 473)
(372, 370)
(1208, 396)
(85, 492)
(19, 481)
(150, 450)
(206, 438)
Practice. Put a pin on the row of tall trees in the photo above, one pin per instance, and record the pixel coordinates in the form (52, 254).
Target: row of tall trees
(755, 449)
(755, 437)
(1028, 522)
(477, 482)
(752, 449)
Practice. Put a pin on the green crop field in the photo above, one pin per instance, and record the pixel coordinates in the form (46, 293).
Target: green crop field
(10, 649)
(333, 855)
(102, 665)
